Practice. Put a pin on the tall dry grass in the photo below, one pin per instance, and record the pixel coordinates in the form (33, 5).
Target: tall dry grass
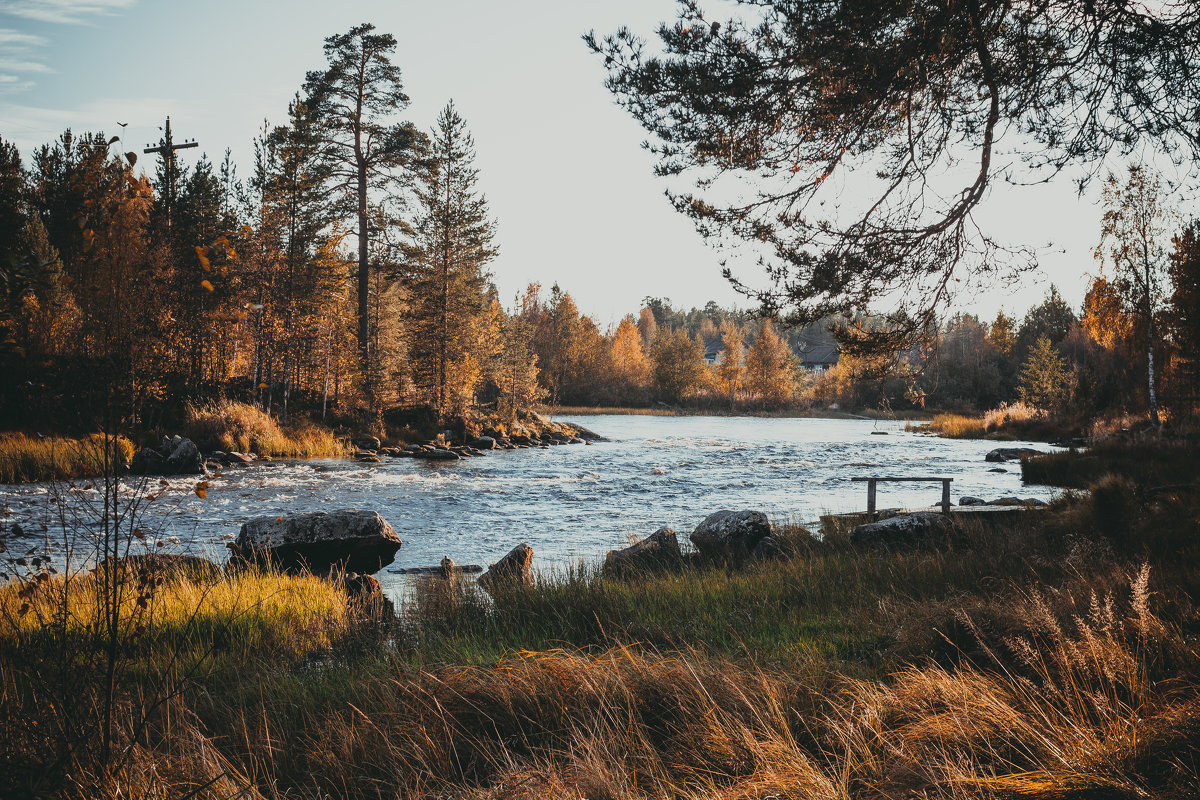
(1015, 420)
(229, 425)
(35, 458)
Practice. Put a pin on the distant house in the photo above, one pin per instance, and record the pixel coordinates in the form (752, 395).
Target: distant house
(819, 357)
(713, 350)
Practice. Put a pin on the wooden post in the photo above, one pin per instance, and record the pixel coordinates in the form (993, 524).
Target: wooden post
(945, 495)
(870, 495)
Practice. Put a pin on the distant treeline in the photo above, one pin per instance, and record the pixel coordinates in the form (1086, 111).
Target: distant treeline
(347, 275)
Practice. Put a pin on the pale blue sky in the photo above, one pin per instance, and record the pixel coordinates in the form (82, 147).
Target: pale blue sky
(561, 165)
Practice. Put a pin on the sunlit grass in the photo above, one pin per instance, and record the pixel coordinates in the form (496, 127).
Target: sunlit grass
(282, 616)
(232, 426)
(31, 458)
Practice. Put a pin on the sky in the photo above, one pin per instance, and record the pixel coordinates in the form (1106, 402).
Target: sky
(562, 167)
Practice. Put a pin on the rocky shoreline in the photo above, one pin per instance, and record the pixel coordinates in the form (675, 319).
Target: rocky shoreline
(177, 455)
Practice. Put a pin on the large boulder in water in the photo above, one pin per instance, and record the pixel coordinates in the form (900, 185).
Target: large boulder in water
(515, 569)
(731, 533)
(347, 539)
(174, 456)
(659, 549)
(1002, 454)
(184, 459)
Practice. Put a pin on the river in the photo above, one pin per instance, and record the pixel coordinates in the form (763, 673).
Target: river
(569, 502)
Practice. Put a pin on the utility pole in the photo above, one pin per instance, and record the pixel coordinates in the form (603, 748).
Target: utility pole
(166, 148)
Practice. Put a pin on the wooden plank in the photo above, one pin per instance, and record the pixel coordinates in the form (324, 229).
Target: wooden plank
(927, 479)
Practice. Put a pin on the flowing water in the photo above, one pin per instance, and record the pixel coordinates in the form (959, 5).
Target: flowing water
(569, 502)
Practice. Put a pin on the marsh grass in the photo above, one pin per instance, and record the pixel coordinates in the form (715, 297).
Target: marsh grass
(35, 458)
(1149, 460)
(229, 425)
(1049, 660)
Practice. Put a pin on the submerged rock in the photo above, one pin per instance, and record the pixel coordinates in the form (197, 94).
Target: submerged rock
(317, 542)
(659, 549)
(731, 533)
(515, 569)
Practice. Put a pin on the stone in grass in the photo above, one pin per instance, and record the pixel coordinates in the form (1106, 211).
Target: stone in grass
(731, 533)
(903, 530)
(515, 569)
(349, 539)
(658, 550)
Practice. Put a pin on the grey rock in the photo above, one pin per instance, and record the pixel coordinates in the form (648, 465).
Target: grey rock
(1006, 501)
(515, 569)
(484, 443)
(731, 533)
(659, 549)
(437, 455)
(237, 458)
(1003, 454)
(365, 441)
(319, 541)
(971, 501)
(185, 459)
(901, 530)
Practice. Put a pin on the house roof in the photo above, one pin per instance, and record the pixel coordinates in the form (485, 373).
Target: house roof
(819, 354)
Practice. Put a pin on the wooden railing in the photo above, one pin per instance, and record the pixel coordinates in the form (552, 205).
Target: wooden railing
(945, 504)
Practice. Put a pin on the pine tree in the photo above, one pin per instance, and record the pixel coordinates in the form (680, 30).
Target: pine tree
(1183, 308)
(770, 367)
(350, 103)
(452, 248)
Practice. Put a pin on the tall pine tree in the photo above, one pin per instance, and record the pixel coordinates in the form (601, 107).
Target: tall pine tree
(452, 247)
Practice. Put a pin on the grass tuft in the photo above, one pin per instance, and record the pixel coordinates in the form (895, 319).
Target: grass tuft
(229, 425)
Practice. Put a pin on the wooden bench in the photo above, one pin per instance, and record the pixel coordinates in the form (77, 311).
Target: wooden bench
(945, 504)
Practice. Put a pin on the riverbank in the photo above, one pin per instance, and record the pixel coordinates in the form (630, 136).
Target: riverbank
(224, 427)
(1056, 660)
(783, 413)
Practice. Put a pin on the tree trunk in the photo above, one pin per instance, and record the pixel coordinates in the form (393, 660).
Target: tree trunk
(364, 347)
(1150, 375)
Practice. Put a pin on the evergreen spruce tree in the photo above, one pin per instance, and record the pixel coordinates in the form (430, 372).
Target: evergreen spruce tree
(1044, 377)
(452, 248)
